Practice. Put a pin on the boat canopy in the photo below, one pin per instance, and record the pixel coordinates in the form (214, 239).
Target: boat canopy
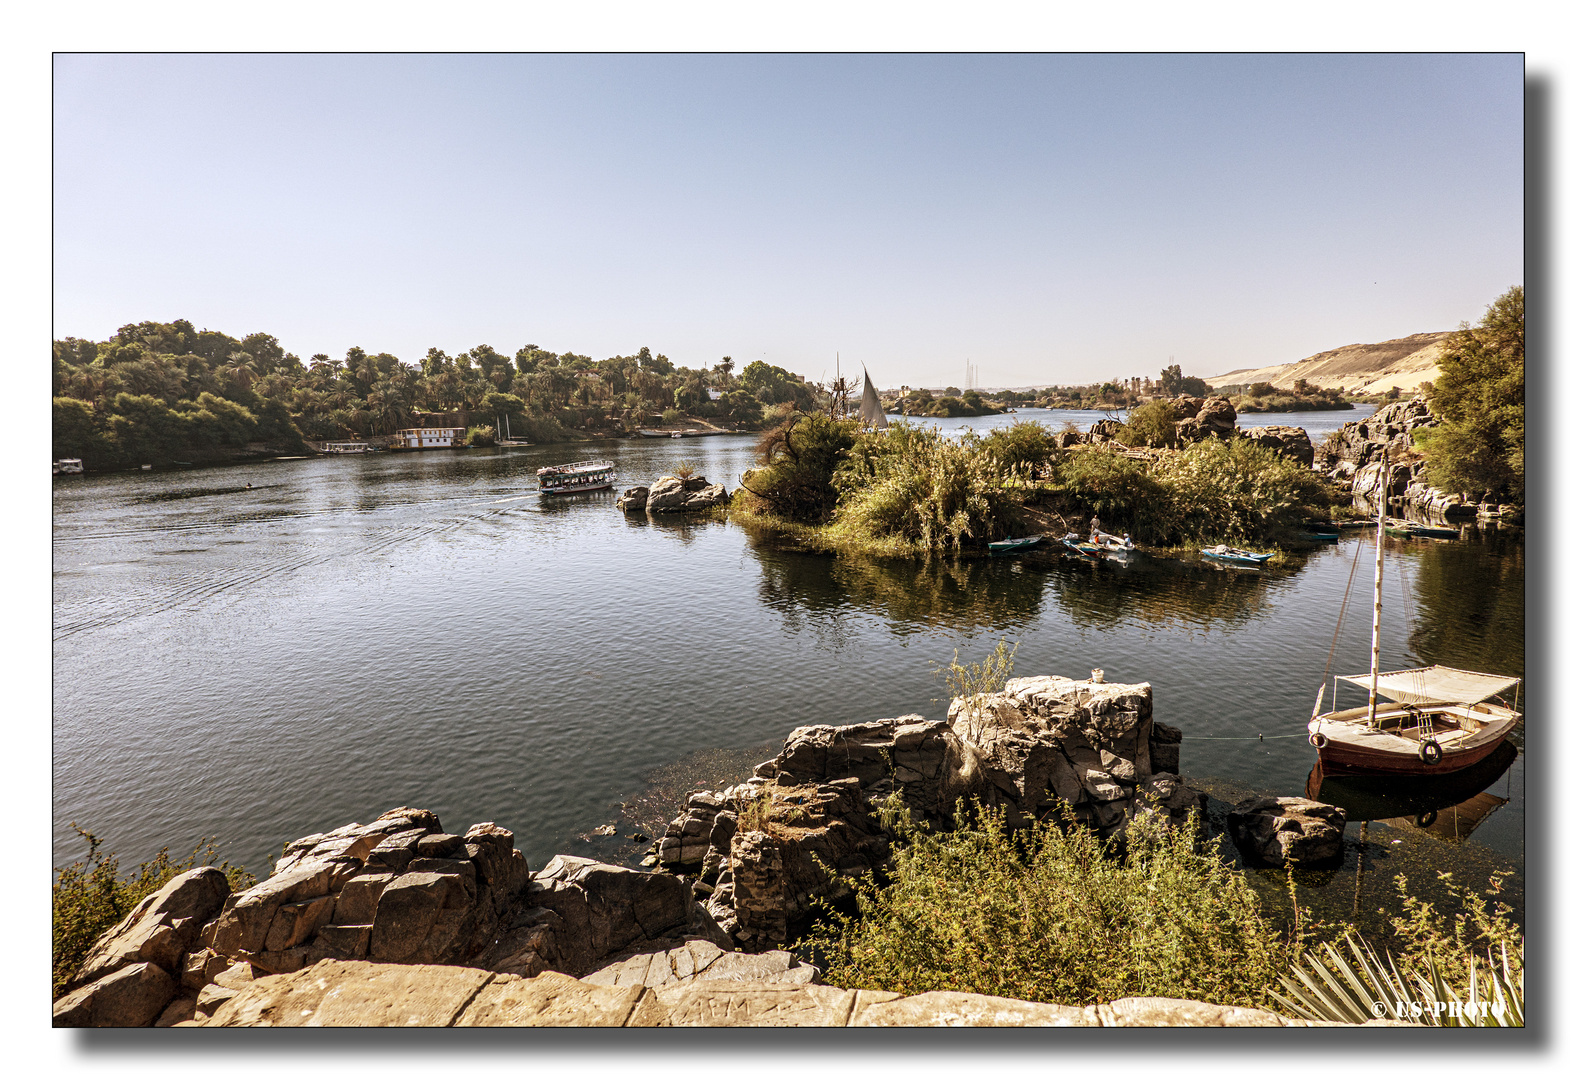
(1436, 685)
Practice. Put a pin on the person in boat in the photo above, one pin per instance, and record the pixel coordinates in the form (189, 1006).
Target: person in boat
(1095, 529)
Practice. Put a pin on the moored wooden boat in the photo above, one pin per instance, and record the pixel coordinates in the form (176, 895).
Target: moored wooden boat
(1436, 719)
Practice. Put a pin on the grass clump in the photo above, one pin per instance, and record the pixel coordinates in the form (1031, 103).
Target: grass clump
(89, 897)
(1051, 914)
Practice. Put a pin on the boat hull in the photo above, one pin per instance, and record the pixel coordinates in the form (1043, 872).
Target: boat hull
(576, 489)
(1348, 745)
(1338, 759)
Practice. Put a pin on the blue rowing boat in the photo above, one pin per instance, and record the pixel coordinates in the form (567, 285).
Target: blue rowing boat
(1235, 556)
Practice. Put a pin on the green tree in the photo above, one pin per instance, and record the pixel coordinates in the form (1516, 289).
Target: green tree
(1152, 424)
(1478, 399)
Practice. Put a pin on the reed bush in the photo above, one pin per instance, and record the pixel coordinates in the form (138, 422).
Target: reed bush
(1024, 445)
(1234, 490)
(1050, 914)
(1123, 491)
(936, 493)
(89, 896)
(797, 458)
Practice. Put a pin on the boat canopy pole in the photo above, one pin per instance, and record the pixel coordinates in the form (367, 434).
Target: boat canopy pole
(1379, 573)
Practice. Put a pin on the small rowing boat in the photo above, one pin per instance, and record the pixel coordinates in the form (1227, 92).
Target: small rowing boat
(1411, 529)
(1235, 556)
(1012, 543)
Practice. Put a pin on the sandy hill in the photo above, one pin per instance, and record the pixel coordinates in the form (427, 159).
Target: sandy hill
(1359, 369)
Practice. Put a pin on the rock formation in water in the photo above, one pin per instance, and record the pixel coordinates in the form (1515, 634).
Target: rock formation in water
(1271, 831)
(806, 822)
(1289, 442)
(672, 495)
(1352, 456)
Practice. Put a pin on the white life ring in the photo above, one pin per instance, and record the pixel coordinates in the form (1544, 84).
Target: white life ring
(1317, 740)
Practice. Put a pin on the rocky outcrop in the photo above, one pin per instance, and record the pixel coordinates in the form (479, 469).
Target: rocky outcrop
(134, 971)
(672, 495)
(1103, 431)
(764, 851)
(805, 825)
(1270, 831)
(578, 912)
(1289, 442)
(1204, 418)
(361, 994)
(1352, 456)
(1361, 442)
(633, 500)
(398, 890)
(1049, 740)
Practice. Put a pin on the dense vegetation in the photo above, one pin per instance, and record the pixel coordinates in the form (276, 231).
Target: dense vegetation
(160, 392)
(908, 490)
(1052, 913)
(89, 897)
(1304, 396)
(1478, 399)
(1049, 915)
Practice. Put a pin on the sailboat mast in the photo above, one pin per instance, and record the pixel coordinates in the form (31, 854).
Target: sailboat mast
(1379, 573)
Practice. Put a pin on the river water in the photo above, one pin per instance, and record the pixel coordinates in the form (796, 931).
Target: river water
(353, 634)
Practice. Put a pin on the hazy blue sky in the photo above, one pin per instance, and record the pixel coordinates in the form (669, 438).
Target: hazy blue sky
(1052, 218)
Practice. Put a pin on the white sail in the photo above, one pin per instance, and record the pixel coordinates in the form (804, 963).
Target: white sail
(871, 404)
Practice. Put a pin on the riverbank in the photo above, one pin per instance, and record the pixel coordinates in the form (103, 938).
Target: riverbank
(363, 907)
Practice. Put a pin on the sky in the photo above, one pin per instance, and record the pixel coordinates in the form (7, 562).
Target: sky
(1048, 218)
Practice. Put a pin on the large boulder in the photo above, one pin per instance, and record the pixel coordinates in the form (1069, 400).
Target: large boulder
(397, 889)
(161, 929)
(1104, 431)
(633, 501)
(1275, 831)
(1289, 442)
(1204, 418)
(671, 495)
(131, 996)
(1047, 741)
(577, 913)
(805, 825)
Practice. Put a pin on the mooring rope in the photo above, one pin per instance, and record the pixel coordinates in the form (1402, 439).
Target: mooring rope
(1243, 738)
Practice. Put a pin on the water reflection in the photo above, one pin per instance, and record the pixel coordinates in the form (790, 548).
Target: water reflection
(1449, 807)
(1470, 604)
(1160, 592)
(957, 594)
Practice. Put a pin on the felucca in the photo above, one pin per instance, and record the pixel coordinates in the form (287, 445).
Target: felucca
(1435, 719)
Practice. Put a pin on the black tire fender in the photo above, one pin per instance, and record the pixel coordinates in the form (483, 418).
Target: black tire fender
(1429, 752)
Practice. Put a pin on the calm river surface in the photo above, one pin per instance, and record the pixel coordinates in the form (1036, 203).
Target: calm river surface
(353, 634)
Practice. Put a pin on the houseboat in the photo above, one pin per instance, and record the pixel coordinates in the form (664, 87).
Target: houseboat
(428, 438)
(576, 476)
(67, 465)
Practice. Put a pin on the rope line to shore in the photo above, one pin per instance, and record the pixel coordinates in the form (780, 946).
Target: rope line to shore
(1240, 738)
